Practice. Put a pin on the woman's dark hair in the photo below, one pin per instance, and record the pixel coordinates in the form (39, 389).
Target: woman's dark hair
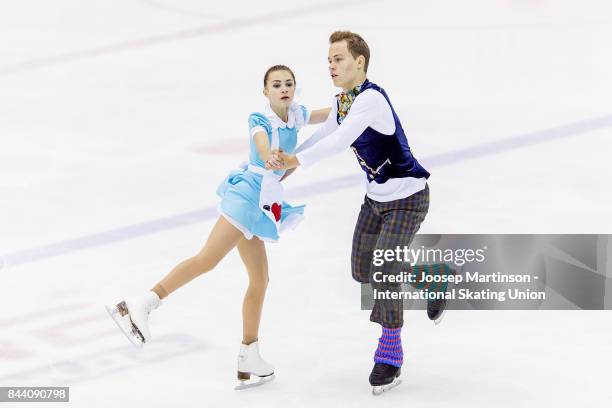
(275, 68)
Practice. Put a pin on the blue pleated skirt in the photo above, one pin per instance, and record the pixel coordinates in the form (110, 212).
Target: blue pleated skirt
(239, 204)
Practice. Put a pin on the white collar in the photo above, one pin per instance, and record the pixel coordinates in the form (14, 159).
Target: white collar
(277, 122)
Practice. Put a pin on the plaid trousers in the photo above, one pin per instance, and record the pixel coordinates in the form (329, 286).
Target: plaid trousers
(386, 225)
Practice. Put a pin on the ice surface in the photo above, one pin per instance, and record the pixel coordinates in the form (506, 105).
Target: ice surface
(119, 118)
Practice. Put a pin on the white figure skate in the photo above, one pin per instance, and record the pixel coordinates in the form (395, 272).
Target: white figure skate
(132, 315)
(250, 364)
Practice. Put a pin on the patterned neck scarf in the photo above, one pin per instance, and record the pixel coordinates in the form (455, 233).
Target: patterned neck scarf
(345, 100)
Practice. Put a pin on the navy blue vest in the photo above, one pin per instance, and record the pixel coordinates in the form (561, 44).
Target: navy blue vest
(383, 157)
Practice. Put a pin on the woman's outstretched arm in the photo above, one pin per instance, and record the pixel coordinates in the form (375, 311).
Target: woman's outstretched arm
(263, 149)
(318, 116)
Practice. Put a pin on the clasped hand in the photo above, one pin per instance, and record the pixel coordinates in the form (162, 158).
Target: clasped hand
(277, 161)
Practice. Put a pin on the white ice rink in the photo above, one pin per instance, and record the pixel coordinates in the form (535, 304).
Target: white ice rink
(118, 119)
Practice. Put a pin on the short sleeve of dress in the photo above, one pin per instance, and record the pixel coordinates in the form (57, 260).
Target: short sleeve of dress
(259, 123)
(301, 115)
(305, 113)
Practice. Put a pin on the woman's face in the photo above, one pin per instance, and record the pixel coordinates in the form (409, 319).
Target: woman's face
(280, 88)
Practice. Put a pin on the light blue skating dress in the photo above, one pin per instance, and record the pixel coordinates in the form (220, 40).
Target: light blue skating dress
(242, 202)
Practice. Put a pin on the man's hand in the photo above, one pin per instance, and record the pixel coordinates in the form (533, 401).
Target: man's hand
(275, 161)
(289, 160)
(281, 161)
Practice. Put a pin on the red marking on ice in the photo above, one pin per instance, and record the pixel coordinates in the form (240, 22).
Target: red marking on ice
(59, 334)
(39, 315)
(9, 352)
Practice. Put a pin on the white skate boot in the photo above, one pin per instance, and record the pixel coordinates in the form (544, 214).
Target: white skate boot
(251, 363)
(132, 315)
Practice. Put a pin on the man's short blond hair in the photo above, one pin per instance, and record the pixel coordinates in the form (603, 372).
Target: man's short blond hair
(356, 45)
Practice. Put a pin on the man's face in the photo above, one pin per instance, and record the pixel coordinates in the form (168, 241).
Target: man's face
(343, 68)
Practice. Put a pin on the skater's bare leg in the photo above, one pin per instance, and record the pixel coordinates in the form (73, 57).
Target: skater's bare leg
(253, 254)
(222, 239)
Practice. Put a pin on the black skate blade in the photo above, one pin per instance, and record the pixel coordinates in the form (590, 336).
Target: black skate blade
(379, 389)
(258, 381)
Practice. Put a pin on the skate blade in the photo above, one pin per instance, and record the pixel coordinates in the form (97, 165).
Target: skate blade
(123, 321)
(439, 319)
(256, 382)
(379, 389)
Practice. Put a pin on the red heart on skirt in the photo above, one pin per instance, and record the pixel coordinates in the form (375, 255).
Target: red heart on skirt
(276, 210)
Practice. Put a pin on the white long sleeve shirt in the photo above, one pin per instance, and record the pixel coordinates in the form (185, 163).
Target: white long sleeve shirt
(369, 109)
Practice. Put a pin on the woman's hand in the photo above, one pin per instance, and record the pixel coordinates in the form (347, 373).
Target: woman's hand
(289, 161)
(275, 162)
(282, 161)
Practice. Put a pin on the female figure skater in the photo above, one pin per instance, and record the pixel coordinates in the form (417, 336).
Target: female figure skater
(251, 211)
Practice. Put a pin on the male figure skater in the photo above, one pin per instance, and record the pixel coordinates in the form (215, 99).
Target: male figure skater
(397, 196)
